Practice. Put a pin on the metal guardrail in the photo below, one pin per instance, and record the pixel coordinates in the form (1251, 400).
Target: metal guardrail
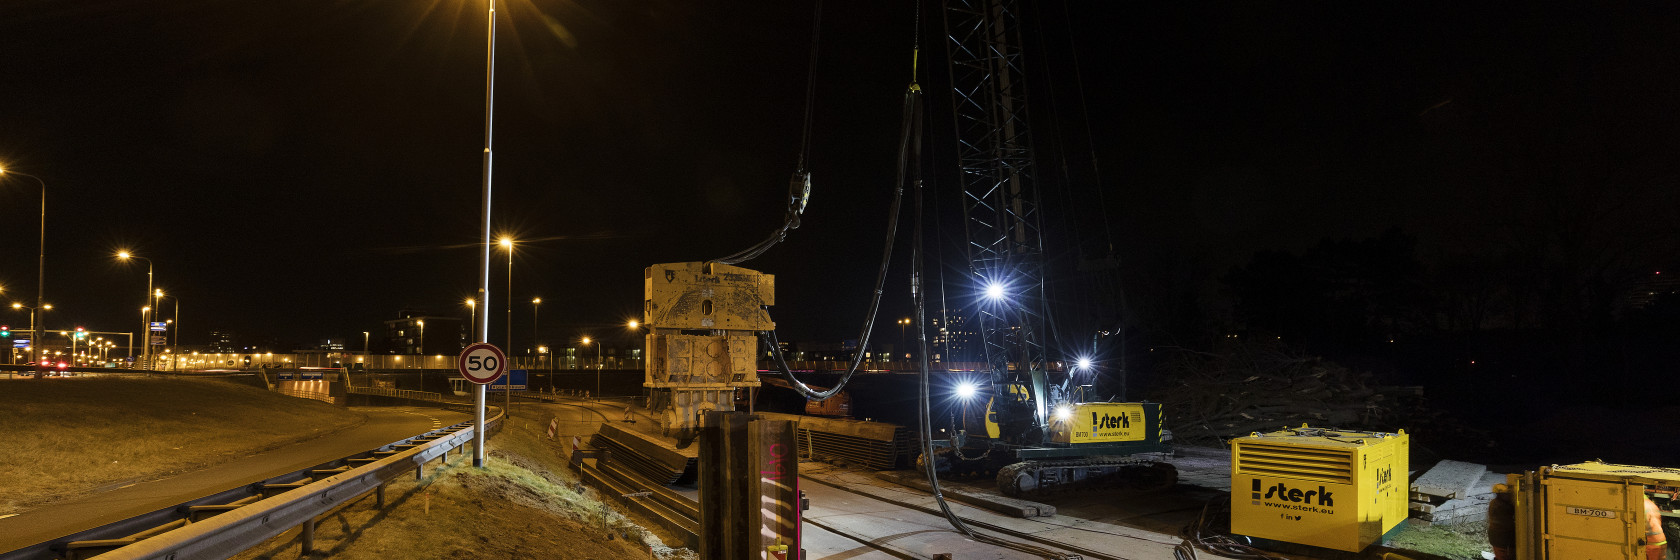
(398, 393)
(244, 517)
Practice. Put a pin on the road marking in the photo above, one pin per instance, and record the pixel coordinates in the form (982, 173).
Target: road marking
(7, 515)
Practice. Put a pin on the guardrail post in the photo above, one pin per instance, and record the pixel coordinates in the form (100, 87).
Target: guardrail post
(308, 537)
(379, 497)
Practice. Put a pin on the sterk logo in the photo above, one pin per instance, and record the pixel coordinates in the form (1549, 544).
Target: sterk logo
(1106, 422)
(1384, 475)
(1282, 492)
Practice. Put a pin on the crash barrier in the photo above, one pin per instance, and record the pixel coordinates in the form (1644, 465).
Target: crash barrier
(227, 523)
(398, 393)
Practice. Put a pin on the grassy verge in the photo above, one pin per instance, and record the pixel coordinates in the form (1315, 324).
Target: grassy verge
(523, 504)
(65, 437)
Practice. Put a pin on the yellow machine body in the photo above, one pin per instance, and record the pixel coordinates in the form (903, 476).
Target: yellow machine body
(1100, 423)
(703, 321)
(1585, 511)
(1328, 488)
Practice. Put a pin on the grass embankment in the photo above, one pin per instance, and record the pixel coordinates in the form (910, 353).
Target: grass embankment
(525, 503)
(65, 437)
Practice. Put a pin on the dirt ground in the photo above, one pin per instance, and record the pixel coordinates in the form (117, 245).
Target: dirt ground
(514, 508)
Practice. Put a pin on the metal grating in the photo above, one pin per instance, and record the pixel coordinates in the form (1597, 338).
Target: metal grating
(1317, 464)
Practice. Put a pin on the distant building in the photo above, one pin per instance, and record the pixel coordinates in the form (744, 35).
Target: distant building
(222, 342)
(1648, 290)
(413, 332)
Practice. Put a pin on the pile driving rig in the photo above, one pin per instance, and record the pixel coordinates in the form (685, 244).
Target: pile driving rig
(1042, 435)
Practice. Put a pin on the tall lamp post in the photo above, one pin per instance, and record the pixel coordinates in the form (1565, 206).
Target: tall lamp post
(484, 222)
(40, 272)
(507, 245)
(635, 331)
(146, 316)
(472, 320)
(536, 339)
(586, 342)
(34, 343)
(175, 323)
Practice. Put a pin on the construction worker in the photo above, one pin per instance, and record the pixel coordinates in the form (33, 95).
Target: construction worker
(1656, 543)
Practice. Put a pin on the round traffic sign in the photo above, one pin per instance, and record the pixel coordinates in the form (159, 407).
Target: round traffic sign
(481, 362)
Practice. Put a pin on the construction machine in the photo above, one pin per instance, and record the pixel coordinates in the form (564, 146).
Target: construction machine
(1043, 431)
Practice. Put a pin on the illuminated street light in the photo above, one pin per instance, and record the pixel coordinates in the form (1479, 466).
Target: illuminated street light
(146, 319)
(507, 245)
(40, 267)
(535, 337)
(472, 319)
(597, 367)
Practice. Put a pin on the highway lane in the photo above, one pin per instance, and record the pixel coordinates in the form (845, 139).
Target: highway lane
(384, 425)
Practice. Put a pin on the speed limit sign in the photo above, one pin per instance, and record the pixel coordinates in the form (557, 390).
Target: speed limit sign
(481, 362)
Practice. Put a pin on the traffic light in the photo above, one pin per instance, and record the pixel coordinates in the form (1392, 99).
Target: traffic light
(81, 333)
(5, 331)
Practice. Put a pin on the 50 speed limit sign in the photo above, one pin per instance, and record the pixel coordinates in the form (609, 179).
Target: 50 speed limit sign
(481, 362)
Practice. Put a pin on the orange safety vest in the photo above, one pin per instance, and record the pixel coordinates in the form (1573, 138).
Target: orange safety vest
(1656, 543)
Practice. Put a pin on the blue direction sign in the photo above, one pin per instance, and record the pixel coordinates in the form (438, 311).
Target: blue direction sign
(517, 376)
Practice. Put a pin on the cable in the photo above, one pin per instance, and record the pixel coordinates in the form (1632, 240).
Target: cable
(912, 111)
(799, 185)
(1201, 535)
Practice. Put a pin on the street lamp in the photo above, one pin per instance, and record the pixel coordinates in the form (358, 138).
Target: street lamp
(422, 324)
(633, 324)
(597, 367)
(902, 325)
(536, 337)
(507, 245)
(175, 320)
(34, 346)
(40, 268)
(144, 313)
(472, 319)
(365, 336)
(146, 318)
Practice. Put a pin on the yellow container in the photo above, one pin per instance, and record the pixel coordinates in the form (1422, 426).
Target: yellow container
(1335, 489)
(1585, 511)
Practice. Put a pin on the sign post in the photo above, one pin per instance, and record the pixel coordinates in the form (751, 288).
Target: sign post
(480, 363)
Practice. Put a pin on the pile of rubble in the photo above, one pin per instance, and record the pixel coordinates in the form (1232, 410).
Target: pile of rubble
(1255, 388)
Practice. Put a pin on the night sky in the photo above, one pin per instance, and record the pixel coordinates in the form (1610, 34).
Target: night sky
(303, 170)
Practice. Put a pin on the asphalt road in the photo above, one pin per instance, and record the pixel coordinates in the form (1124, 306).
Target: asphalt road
(384, 425)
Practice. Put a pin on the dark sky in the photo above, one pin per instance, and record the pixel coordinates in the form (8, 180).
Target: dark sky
(303, 170)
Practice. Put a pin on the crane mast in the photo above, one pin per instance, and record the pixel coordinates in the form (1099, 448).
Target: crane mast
(1000, 200)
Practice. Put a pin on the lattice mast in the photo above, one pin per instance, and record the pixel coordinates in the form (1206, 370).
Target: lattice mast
(1000, 199)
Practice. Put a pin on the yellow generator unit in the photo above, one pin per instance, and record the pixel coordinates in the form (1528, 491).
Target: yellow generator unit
(1586, 511)
(1335, 489)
